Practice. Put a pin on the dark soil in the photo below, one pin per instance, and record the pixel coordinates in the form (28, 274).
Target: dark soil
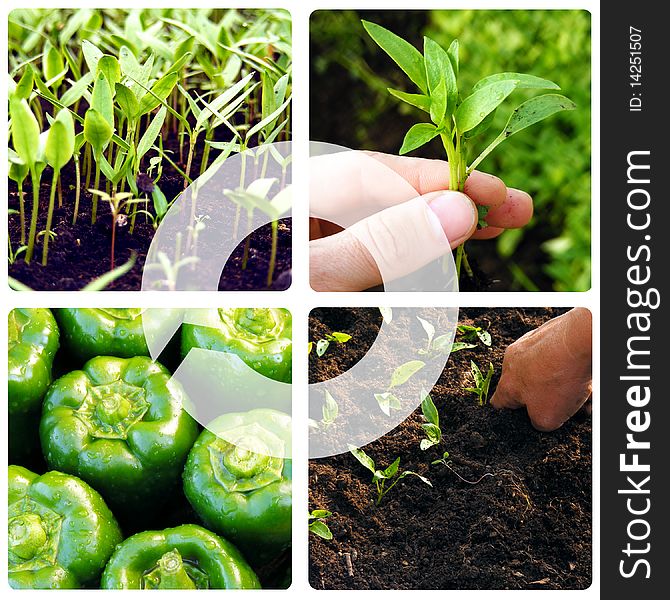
(526, 527)
(80, 253)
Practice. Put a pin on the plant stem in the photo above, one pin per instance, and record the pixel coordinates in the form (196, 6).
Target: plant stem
(113, 239)
(273, 253)
(52, 195)
(189, 160)
(35, 183)
(77, 189)
(22, 213)
(87, 161)
(94, 212)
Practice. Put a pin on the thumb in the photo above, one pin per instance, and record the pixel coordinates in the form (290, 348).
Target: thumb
(392, 243)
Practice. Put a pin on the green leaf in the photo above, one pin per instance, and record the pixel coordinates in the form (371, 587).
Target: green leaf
(92, 54)
(429, 410)
(130, 67)
(452, 52)
(339, 337)
(428, 328)
(25, 131)
(439, 69)
(267, 94)
(97, 131)
(320, 514)
(530, 112)
(433, 432)
(160, 202)
(406, 56)
(25, 85)
(482, 127)
(222, 100)
(101, 99)
(392, 469)
(528, 82)
(127, 101)
(100, 283)
(476, 374)
(330, 409)
(52, 64)
(456, 346)
(475, 107)
(321, 529)
(419, 100)
(484, 336)
(158, 93)
(486, 383)
(76, 90)
(268, 120)
(111, 68)
(321, 347)
(362, 458)
(417, 136)
(421, 477)
(387, 402)
(152, 132)
(405, 371)
(425, 443)
(310, 345)
(60, 140)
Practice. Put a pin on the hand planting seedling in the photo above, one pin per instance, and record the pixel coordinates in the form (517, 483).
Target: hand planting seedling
(317, 524)
(458, 118)
(381, 478)
(482, 383)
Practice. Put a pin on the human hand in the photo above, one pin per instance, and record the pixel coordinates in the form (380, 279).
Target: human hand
(400, 209)
(548, 371)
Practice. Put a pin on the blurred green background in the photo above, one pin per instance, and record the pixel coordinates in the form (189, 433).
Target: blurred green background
(349, 105)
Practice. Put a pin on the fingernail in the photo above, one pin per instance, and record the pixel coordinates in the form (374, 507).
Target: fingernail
(457, 215)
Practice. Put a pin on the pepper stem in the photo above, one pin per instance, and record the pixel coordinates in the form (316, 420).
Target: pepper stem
(173, 574)
(112, 409)
(26, 535)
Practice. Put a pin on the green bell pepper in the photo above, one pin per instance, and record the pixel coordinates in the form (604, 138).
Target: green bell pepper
(261, 337)
(187, 557)
(120, 425)
(90, 332)
(33, 342)
(60, 531)
(239, 482)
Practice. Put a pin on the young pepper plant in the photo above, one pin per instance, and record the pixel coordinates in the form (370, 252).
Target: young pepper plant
(381, 477)
(455, 117)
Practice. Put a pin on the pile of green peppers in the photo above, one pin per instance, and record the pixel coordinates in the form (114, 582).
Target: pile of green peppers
(112, 483)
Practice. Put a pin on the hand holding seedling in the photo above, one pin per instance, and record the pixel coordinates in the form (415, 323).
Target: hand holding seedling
(548, 371)
(408, 226)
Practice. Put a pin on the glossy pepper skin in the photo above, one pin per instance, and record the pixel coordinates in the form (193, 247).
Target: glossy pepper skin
(33, 342)
(119, 424)
(90, 332)
(187, 557)
(239, 481)
(60, 531)
(261, 337)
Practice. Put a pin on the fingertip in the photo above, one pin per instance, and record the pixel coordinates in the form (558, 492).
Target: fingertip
(487, 233)
(516, 211)
(486, 189)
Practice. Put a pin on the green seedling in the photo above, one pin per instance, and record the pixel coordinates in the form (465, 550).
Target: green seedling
(117, 203)
(330, 411)
(482, 383)
(471, 333)
(59, 151)
(388, 400)
(317, 524)
(457, 118)
(442, 344)
(323, 344)
(388, 476)
(432, 426)
(26, 139)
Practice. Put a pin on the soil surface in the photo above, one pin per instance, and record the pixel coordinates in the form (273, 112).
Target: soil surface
(527, 525)
(79, 253)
